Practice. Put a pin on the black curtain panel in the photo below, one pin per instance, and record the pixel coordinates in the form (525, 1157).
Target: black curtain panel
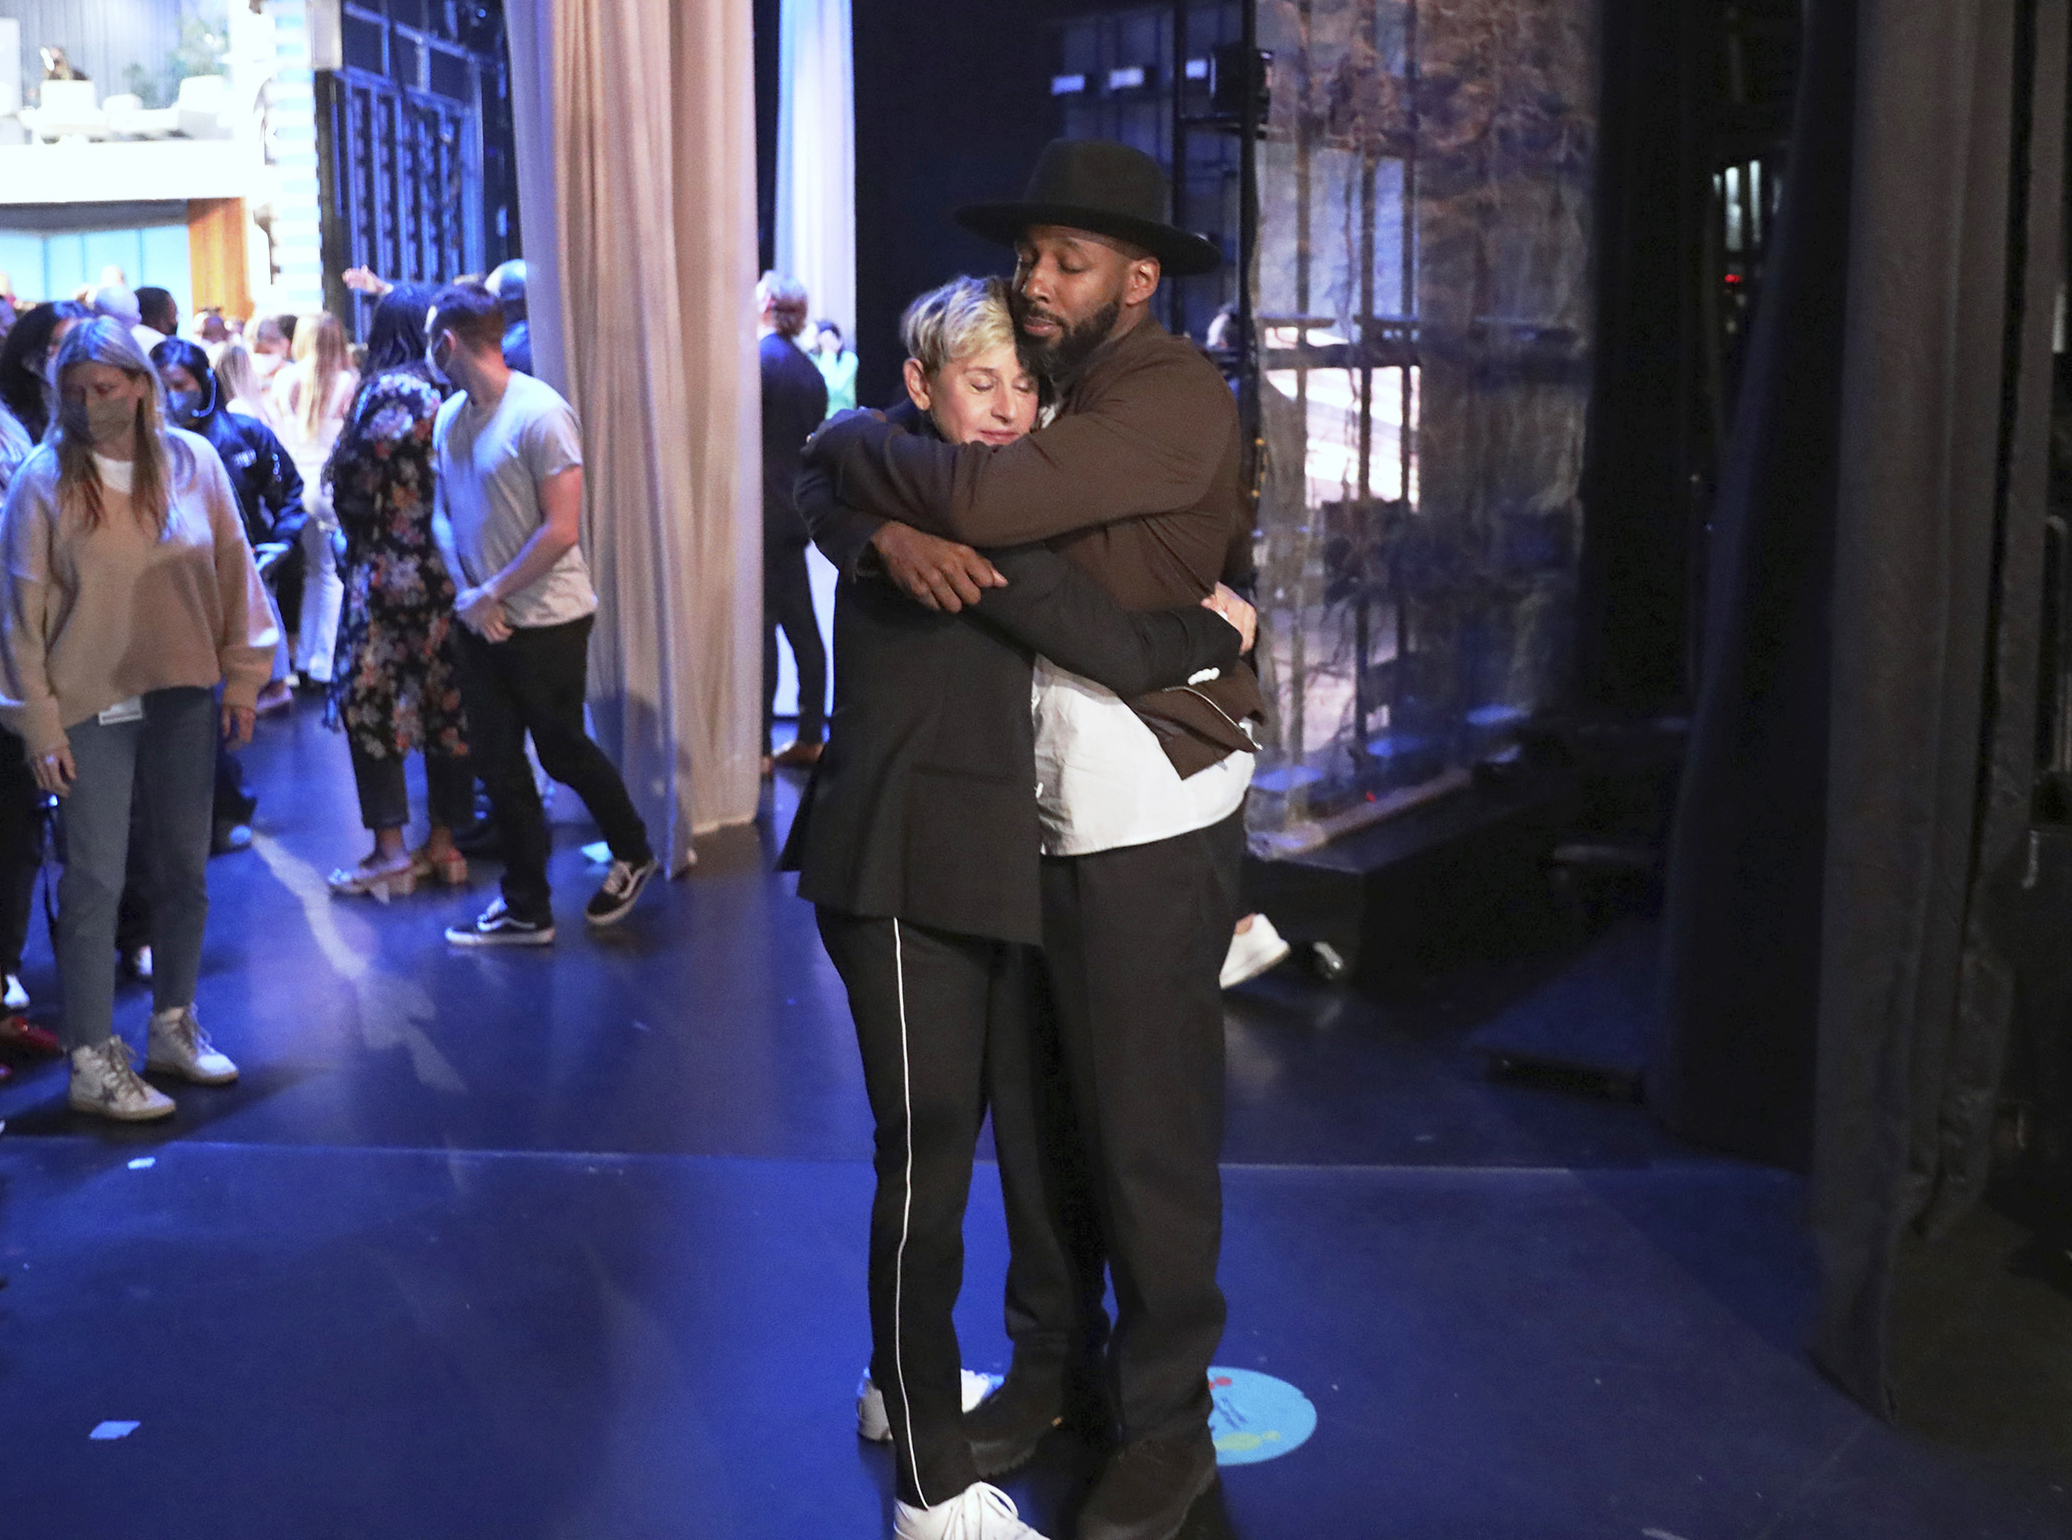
(1954, 274)
(1733, 1058)
(1849, 920)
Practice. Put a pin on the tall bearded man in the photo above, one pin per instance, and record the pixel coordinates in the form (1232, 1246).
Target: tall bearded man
(1140, 803)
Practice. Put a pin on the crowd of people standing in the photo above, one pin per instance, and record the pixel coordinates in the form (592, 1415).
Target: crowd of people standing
(198, 526)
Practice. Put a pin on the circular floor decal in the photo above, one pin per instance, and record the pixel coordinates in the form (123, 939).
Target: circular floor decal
(1257, 1417)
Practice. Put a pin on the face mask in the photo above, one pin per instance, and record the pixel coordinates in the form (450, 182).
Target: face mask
(103, 419)
(186, 404)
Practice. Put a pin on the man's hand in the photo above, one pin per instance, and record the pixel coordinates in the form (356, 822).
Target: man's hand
(363, 280)
(1235, 610)
(55, 771)
(237, 726)
(936, 573)
(482, 612)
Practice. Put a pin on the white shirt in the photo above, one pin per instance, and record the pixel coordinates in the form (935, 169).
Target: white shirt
(1103, 782)
(148, 337)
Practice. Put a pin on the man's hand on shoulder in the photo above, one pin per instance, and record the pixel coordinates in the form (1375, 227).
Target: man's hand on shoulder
(935, 573)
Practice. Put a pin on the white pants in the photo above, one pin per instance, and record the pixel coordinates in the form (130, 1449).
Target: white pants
(323, 595)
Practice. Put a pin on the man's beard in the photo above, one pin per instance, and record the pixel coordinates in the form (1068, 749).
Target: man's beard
(1059, 358)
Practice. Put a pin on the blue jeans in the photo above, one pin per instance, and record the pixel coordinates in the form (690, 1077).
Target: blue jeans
(168, 761)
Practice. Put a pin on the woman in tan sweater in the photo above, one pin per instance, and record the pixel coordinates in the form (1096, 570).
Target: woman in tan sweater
(129, 597)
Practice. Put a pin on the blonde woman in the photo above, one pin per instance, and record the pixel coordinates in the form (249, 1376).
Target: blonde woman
(242, 392)
(310, 399)
(128, 597)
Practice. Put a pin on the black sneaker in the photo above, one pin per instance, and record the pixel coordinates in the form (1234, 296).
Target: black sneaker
(497, 926)
(621, 891)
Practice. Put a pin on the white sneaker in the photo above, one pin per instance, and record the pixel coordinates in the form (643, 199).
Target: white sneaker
(1252, 952)
(17, 998)
(178, 1046)
(979, 1512)
(874, 1425)
(105, 1082)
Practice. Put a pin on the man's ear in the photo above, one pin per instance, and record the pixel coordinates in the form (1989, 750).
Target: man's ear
(1141, 281)
(917, 385)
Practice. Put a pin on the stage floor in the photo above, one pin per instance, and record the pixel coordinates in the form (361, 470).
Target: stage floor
(571, 1245)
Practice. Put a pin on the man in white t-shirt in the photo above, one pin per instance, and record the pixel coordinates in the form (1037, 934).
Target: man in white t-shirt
(509, 458)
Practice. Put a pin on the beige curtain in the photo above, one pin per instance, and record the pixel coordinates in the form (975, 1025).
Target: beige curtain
(636, 142)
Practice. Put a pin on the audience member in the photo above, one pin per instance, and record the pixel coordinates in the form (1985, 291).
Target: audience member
(21, 849)
(121, 530)
(794, 404)
(210, 329)
(394, 689)
(270, 346)
(509, 461)
(158, 317)
(507, 283)
(837, 366)
(25, 361)
(269, 496)
(242, 392)
(309, 402)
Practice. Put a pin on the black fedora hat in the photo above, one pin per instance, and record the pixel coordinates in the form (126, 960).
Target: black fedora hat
(1110, 189)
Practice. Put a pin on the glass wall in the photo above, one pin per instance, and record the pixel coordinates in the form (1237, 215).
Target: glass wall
(1422, 294)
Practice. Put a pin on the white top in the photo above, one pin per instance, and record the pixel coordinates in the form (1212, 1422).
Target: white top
(116, 475)
(490, 468)
(148, 337)
(1103, 782)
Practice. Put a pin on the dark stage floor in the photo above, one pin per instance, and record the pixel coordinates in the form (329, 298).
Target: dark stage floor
(571, 1245)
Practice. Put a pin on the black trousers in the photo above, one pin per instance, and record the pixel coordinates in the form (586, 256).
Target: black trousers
(927, 1003)
(788, 602)
(21, 848)
(385, 794)
(1133, 943)
(534, 683)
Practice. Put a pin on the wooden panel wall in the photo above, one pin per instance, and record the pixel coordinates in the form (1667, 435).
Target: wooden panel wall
(216, 254)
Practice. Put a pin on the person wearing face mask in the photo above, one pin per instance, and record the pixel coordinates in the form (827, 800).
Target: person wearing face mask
(916, 839)
(269, 499)
(25, 362)
(129, 601)
(508, 454)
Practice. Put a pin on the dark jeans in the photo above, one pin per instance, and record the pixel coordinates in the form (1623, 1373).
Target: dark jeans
(534, 683)
(922, 999)
(788, 602)
(1133, 941)
(21, 848)
(385, 796)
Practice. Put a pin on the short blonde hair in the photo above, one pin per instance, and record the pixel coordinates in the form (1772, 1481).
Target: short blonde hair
(963, 317)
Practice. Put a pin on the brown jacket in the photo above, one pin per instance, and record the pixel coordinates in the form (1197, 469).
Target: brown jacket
(1136, 482)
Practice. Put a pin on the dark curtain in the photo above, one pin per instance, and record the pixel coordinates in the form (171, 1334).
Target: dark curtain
(1937, 610)
(1642, 446)
(1854, 831)
(1732, 1063)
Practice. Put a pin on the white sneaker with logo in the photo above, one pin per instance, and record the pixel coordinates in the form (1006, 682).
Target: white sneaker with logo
(874, 1425)
(979, 1512)
(178, 1046)
(105, 1082)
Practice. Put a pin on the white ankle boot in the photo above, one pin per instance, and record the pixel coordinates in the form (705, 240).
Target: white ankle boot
(979, 1512)
(105, 1082)
(178, 1046)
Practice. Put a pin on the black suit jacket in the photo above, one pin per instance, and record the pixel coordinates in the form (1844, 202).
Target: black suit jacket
(794, 403)
(924, 805)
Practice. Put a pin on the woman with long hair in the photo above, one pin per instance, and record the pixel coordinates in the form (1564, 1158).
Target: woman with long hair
(129, 596)
(393, 688)
(310, 398)
(25, 361)
(242, 392)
